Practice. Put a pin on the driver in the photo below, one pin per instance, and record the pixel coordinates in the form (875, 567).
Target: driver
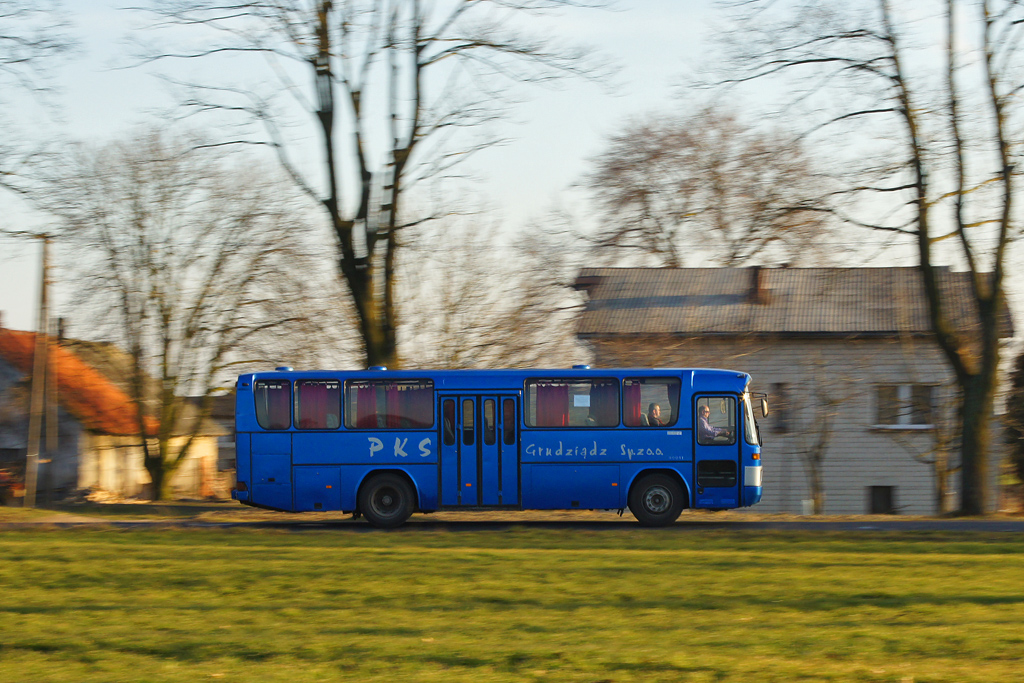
(705, 432)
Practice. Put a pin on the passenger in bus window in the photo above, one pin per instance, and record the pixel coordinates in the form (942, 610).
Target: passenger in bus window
(705, 432)
(654, 415)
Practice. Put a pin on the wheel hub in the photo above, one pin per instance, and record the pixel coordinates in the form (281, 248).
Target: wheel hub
(385, 502)
(657, 499)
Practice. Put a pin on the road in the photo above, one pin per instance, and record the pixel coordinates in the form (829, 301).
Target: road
(498, 520)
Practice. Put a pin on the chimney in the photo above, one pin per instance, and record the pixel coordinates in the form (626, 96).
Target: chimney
(758, 292)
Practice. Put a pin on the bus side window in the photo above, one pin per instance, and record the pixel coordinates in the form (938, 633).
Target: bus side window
(489, 423)
(317, 404)
(508, 422)
(448, 410)
(468, 438)
(273, 403)
(716, 421)
(641, 395)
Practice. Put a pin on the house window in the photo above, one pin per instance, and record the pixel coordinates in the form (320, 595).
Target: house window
(907, 406)
(881, 500)
(780, 407)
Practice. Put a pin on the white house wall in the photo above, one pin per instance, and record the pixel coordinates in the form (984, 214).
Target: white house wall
(115, 464)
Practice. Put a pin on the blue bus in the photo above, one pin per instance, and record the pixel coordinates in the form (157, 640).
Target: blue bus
(384, 444)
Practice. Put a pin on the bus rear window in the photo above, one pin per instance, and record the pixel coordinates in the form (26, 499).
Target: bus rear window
(318, 404)
(650, 401)
(389, 404)
(572, 403)
(273, 403)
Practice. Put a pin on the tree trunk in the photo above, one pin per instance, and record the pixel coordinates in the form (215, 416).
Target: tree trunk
(379, 340)
(941, 469)
(817, 489)
(159, 479)
(974, 415)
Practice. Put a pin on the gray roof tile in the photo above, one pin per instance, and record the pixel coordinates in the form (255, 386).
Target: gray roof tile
(674, 301)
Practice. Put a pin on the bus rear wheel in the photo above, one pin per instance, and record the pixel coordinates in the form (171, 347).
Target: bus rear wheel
(386, 500)
(656, 500)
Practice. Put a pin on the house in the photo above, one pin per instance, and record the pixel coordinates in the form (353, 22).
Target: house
(97, 446)
(862, 399)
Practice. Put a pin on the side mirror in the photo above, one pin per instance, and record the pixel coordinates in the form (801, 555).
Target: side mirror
(764, 407)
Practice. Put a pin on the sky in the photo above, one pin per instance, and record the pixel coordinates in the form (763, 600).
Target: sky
(552, 134)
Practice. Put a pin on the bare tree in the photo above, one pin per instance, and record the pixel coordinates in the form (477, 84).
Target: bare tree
(709, 184)
(397, 88)
(480, 300)
(815, 436)
(940, 160)
(33, 37)
(194, 266)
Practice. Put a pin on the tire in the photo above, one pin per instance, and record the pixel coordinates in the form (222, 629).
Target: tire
(386, 500)
(656, 500)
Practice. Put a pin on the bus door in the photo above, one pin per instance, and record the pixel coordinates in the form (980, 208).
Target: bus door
(716, 452)
(479, 450)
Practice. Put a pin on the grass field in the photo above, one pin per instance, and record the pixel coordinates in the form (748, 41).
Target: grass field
(522, 604)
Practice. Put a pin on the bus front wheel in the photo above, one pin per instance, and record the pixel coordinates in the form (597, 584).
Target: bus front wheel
(386, 500)
(656, 500)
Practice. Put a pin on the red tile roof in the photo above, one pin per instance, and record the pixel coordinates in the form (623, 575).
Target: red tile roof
(81, 390)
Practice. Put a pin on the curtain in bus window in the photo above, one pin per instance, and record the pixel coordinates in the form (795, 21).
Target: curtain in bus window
(673, 399)
(632, 407)
(311, 409)
(393, 406)
(604, 403)
(552, 405)
(420, 406)
(366, 407)
(409, 406)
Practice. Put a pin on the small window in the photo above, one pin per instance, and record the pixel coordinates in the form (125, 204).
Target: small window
(715, 423)
(881, 500)
(448, 408)
(650, 402)
(273, 403)
(490, 429)
(508, 421)
(318, 404)
(468, 438)
(389, 404)
(904, 405)
(716, 473)
(572, 403)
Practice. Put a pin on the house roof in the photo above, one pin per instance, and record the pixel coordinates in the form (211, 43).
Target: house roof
(773, 301)
(83, 391)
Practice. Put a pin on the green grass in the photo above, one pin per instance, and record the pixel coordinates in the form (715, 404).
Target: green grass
(518, 605)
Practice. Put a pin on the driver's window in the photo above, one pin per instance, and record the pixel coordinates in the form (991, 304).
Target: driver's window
(716, 421)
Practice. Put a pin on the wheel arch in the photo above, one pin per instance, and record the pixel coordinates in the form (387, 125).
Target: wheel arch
(640, 474)
(389, 470)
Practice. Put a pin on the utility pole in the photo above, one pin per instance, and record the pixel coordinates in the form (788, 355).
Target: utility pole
(39, 367)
